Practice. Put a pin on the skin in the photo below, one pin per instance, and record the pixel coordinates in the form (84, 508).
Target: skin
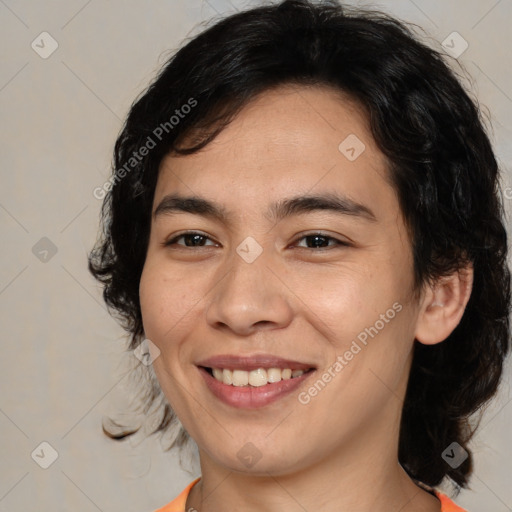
(338, 452)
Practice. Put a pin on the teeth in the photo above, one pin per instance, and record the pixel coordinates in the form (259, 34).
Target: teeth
(258, 377)
(274, 375)
(226, 376)
(255, 378)
(286, 374)
(240, 378)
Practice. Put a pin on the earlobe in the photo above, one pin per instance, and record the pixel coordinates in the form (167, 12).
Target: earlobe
(443, 305)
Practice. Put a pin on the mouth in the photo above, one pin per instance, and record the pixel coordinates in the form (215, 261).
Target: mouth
(254, 381)
(254, 378)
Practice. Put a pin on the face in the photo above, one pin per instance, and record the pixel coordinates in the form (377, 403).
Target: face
(293, 256)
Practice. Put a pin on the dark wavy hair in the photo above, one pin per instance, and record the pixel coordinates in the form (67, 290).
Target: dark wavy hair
(441, 165)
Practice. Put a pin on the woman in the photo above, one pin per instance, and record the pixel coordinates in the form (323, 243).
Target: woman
(303, 224)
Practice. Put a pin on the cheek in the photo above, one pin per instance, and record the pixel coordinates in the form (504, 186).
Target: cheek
(366, 316)
(348, 299)
(153, 301)
(163, 301)
(369, 369)
(170, 302)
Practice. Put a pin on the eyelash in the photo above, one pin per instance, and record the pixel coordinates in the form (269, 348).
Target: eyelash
(308, 235)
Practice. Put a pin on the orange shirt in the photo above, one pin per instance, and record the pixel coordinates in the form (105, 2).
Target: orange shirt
(178, 504)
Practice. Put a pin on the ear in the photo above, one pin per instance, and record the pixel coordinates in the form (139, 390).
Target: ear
(442, 306)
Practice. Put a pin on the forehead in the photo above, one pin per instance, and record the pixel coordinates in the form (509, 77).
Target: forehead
(291, 139)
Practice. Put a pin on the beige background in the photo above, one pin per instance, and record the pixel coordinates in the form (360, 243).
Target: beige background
(62, 354)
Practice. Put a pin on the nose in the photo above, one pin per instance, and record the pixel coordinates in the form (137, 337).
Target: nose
(249, 298)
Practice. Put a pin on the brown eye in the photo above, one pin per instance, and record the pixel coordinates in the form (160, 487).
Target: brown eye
(191, 239)
(320, 241)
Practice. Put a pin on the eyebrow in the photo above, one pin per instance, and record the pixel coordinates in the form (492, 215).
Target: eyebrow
(339, 204)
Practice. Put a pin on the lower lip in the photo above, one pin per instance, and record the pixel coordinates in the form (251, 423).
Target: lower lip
(249, 397)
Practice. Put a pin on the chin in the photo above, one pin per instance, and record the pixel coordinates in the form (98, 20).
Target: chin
(250, 460)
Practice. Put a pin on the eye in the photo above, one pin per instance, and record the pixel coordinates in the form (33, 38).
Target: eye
(191, 239)
(321, 241)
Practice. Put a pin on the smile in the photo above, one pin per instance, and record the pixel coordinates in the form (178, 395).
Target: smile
(255, 378)
(247, 396)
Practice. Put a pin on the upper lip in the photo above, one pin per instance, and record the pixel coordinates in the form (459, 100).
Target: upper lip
(253, 362)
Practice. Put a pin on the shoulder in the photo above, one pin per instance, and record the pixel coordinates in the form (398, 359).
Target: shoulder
(447, 505)
(178, 503)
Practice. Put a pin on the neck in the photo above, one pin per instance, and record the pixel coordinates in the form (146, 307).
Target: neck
(363, 475)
